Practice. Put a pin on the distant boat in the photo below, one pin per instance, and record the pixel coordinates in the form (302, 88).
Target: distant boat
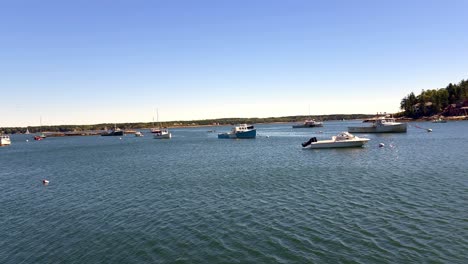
(383, 124)
(309, 123)
(38, 138)
(439, 120)
(114, 132)
(42, 135)
(138, 134)
(240, 131)
(342, 140)
(5, 140)
(27, 132)
(160, 132)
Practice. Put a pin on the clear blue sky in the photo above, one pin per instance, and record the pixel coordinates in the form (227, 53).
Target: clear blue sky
(94, 61)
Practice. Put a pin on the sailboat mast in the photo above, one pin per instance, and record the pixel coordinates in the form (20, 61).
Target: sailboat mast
(157, 117)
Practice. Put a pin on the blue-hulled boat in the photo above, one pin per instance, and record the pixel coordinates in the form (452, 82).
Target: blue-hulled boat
(241, 131)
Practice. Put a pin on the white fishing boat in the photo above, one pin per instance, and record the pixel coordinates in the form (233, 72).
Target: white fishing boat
(342, 140)
(309, 123)
(138, 134)
(383, 124)
(5, 140)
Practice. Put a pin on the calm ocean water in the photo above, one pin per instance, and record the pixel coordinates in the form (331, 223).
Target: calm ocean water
(199, 199)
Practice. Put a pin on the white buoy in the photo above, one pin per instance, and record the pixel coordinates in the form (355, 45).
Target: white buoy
(27, 140)
(45, 182)
(120, 138)
(381, 145)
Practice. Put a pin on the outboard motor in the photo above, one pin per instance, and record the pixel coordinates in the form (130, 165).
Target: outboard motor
(312, 139)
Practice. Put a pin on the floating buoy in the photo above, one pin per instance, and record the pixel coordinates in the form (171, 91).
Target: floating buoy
(27, 140)
(45, 182)
(267, 136)
(120, 138)
(381, 145)
(429, 130)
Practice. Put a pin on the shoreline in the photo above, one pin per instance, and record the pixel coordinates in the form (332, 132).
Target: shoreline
(193, 124)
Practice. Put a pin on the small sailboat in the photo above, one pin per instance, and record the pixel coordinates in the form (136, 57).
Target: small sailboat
(42, 135)
(308, 123)
(160, 132)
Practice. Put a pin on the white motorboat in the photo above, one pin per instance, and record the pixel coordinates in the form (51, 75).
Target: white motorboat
(342, 140)
(309, 123)
(138, 134)
(5, 140)
(383, 124)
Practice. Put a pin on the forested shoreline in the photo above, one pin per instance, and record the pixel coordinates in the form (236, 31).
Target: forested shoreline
(448, 101)
(205, 122)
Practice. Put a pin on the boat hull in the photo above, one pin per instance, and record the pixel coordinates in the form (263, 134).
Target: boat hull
(163, 136)
(4, 141)
(325, 144)
(307, 126)
(115, 133)
(399, 128)
(243, 134)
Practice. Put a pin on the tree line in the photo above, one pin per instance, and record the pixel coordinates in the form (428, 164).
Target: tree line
(205, 122)
(435, 101)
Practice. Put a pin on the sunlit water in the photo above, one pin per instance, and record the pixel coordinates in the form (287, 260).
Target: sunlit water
(199, 199)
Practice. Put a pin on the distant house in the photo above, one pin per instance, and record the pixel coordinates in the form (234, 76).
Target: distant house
(465, 110)
(456, 109)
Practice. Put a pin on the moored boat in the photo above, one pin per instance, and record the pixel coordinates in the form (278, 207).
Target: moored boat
(309, 123)
(5, 140)
(439, 120)
(240, 131)
(161, 133)
(138, 134)
(383, 124)
(342, 140)
(114, 132)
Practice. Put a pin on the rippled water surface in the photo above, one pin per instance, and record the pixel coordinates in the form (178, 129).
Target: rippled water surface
(199, 199)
